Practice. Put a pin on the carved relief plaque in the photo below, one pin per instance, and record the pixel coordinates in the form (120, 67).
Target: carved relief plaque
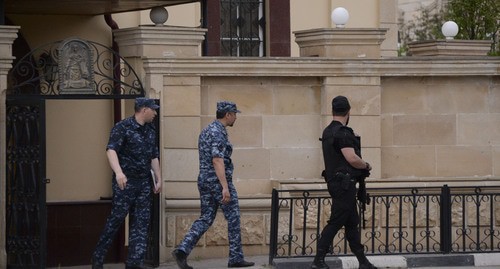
(76, 74)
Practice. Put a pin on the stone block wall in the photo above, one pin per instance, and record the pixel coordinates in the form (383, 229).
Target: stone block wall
(444, 127)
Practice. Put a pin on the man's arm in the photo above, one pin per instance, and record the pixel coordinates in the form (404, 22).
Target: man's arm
(121, 179)
(220, 171)
(155, 165)
(354, 160)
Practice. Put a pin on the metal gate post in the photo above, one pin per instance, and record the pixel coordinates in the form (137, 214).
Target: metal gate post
(445, 214)
(273, 244)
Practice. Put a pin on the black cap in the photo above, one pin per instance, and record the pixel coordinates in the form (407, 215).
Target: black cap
(340, 104)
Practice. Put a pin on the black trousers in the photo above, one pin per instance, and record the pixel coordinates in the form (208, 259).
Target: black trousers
(344, 214)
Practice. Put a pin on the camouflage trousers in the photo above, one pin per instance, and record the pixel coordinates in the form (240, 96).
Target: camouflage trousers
(136, 200)
(210, 197)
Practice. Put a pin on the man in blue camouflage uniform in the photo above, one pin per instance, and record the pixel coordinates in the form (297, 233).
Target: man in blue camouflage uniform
(132, 153)
(216, 188)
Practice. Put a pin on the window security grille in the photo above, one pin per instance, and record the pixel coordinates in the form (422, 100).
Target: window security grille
(242, 28)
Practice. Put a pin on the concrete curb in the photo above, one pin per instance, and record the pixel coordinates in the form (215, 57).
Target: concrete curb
(397, 261)
(487, 259)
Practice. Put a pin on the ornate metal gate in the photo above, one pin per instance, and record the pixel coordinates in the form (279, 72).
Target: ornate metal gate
(26, 211)
(67, 69)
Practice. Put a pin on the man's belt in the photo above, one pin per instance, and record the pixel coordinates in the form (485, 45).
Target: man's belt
(344, 180)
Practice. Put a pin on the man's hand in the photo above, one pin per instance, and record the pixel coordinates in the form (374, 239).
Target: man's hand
(368, 166)
(221, 175)
(121, 179)
(226, 196)
(157, 188)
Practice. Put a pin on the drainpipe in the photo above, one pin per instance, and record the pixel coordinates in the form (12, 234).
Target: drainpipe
(117, 109)
(2, 12)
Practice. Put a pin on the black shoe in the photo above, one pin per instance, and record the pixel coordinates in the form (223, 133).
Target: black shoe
(367, 266)
(133, 267)
(95, 264)
(241, 264)
(180, 257)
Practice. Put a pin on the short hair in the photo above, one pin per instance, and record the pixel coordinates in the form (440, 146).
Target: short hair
(220, 114)
(341, 114)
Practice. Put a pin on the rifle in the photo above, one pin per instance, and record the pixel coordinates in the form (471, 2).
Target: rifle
(360, 175)
(362, 196)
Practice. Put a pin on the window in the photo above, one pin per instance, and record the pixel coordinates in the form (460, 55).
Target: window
(246, 27)
(242, 28)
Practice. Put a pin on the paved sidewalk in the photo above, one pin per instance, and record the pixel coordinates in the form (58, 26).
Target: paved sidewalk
(424, 261)
(261, 262)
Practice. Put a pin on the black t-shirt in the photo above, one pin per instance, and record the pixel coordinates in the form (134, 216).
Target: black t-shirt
(336, 137)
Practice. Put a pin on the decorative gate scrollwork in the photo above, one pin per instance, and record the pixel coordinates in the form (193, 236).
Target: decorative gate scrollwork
(25, 200)
(83, 69)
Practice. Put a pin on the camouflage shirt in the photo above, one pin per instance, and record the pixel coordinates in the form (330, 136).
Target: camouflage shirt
(213, 142)
(135, 145)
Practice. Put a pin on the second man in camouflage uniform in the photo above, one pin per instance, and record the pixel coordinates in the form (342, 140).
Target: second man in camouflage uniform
(216, 188)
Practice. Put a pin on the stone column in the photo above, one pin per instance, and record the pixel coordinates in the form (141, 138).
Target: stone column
(388, 10)
(142, 42)
(160, 41)
(7, 36)
(364, 94)
(340, 42)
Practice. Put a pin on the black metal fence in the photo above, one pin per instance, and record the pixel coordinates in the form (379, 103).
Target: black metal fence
(397, 221)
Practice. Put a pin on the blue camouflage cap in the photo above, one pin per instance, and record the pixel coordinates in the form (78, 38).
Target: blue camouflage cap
(146, 102)
(227, 106)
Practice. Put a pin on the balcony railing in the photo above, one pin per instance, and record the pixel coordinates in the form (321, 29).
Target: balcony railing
(397, 221)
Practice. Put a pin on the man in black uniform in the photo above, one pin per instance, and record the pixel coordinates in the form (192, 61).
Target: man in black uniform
(343, 166)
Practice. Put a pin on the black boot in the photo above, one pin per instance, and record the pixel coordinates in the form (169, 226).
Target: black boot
(319, 260)
(243, 263)
(133, 267)
(363, 261)
(180, 257)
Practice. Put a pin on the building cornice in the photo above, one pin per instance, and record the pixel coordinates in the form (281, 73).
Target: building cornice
(313, 66)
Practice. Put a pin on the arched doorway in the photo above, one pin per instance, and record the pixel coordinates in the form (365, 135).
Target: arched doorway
(61, 78)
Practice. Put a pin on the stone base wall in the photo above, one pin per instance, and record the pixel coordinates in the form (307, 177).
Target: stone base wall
(255, 228)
